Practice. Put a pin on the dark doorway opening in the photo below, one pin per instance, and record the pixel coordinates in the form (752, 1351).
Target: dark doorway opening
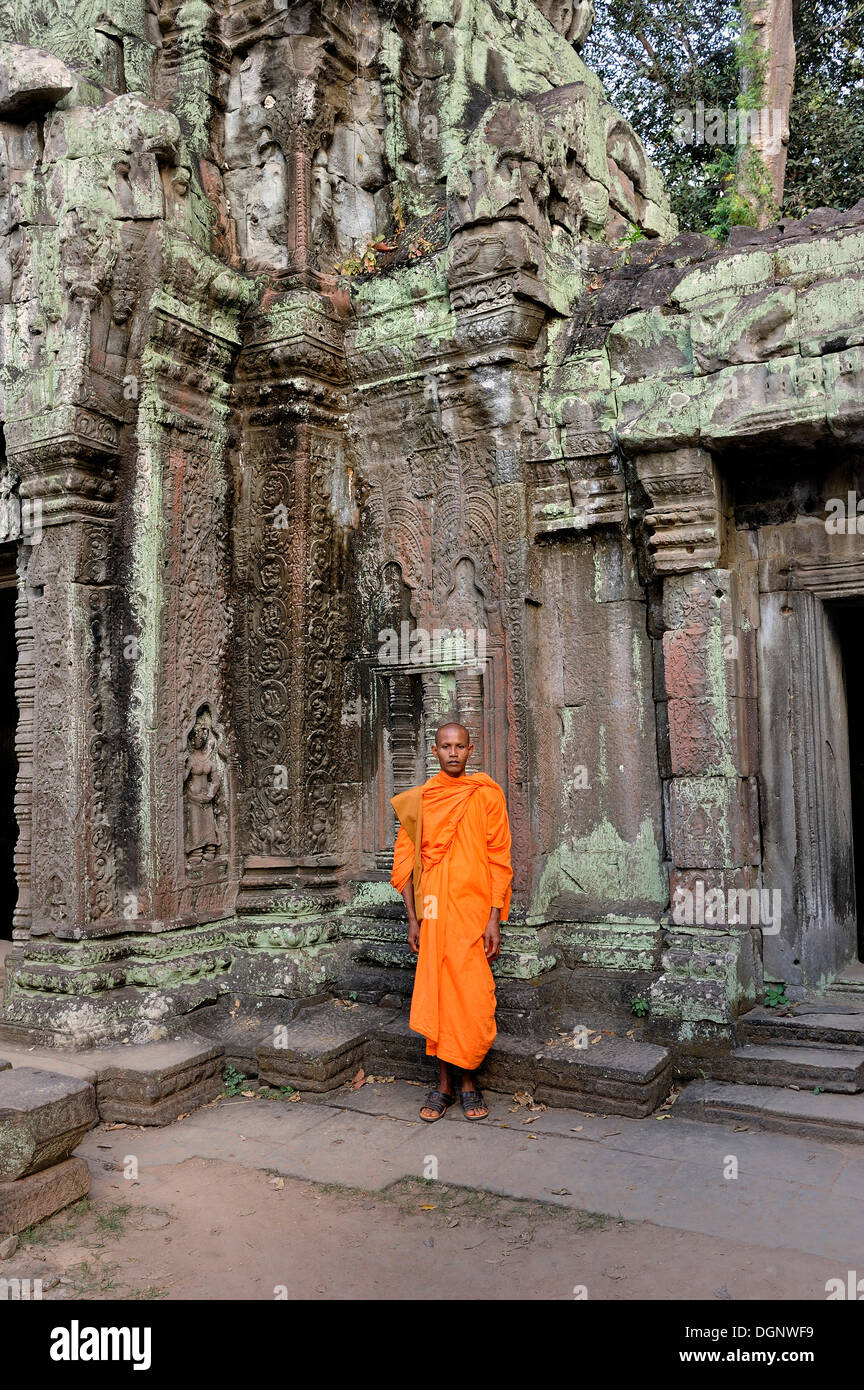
(8, 760)
(848, 617)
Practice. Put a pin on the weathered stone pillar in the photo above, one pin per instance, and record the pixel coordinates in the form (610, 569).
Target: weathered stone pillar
(294, 498)
(68, 860)
(711, 963)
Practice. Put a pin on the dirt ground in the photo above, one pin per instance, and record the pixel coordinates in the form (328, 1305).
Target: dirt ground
(223, 1231)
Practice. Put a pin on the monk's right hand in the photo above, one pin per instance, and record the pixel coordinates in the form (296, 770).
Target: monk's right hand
(414, 936)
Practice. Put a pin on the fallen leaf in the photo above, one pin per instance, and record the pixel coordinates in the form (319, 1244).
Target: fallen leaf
(574, 1129)
(250, 1094)
(359, 1079)
(560, 1191)
(428, 1207)
(121, 1125)
(278, 1183)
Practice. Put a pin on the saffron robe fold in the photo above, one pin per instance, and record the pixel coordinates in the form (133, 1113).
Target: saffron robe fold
(462, 871)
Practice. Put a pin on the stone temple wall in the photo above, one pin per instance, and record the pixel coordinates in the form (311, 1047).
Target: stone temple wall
(354, 376)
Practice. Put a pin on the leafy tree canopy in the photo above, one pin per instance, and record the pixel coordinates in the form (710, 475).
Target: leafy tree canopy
(662, 57)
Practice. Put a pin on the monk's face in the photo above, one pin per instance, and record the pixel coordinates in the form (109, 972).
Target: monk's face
(453, 749)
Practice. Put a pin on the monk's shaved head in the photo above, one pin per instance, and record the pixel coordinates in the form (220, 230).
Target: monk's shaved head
(451, 724)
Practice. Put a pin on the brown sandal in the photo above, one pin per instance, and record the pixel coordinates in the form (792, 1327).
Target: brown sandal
(473, 1100)
(437, 1101)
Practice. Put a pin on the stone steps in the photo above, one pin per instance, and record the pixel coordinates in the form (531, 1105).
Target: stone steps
(825, 1116)
(615, 1076)
(43, 1116)
(325, 1046)
(839, 1069)
(831, 1023)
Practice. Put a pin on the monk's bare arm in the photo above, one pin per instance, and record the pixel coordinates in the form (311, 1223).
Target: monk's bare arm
(492, 935)
(413, 924)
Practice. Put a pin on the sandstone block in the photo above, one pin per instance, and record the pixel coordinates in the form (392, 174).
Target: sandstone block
(34, 1198)
(42, 1117)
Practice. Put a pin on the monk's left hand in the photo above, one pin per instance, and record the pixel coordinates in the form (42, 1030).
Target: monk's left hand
(492, 936)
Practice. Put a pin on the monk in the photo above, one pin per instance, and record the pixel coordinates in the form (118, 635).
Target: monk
(451, 863)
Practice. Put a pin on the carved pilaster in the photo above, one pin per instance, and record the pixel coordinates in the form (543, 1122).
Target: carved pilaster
(686, 516)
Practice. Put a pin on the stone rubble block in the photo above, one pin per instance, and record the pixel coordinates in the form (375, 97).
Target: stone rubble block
(42, 1117)
(31, 79)
(31, 1199)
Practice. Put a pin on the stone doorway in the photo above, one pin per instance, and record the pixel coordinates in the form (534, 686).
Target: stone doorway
(8, 760)
(811, 676)
(848, 621)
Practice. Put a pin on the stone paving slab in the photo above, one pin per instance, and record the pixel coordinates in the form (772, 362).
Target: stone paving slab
(758, 1152)
(790, 1193)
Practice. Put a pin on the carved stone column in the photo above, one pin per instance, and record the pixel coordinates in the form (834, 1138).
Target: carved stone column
(68, 859)
(294, 499)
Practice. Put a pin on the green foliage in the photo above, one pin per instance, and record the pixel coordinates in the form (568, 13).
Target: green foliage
(730, 210)
(775, 996)
(660, 56)
(235, 1081)
(656, 57)
(825, 166)
(639, 1006)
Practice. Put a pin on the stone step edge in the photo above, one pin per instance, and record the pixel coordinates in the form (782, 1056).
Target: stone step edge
(731, 1106)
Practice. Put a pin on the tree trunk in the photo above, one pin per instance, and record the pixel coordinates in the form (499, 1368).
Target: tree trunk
(767, 83)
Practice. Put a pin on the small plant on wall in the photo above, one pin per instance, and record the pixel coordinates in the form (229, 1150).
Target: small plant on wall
(775, 995)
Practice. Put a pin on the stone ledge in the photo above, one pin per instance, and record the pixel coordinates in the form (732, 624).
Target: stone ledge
(154, 1084)
(324, 1047)
(826, 1116)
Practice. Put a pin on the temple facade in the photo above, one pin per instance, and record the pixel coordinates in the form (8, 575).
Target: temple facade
(354, 376)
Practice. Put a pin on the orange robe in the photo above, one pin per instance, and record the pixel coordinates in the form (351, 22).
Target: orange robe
(466, 871)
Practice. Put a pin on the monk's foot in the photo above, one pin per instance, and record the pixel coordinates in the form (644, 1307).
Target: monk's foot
(473, 1104)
